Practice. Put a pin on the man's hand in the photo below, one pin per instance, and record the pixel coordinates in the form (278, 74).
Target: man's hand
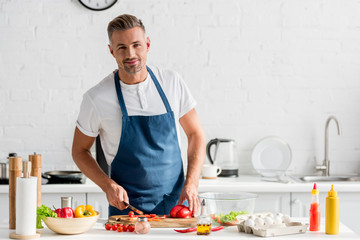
(190, 193)
(116, 195)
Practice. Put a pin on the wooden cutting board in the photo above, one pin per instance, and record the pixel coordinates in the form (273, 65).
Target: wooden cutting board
(168, 222)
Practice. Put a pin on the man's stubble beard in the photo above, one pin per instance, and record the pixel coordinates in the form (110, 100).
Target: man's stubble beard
(134, 69)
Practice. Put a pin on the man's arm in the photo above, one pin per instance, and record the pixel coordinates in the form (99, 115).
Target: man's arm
(196, 156)
(88, 165)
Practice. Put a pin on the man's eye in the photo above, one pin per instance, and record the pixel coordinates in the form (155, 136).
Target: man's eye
(137, 45)
(121, 47)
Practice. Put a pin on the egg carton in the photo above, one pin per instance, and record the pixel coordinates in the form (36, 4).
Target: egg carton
(278, 229)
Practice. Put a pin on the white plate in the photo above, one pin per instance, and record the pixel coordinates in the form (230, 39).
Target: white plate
(271, 157)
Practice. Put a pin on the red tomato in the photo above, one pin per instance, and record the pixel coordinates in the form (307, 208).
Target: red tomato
(175, 209)
(180, 211)
(131, 214)
(152, 215)
(131, 228)
(125, 227)
(114, 227)
(108, 226)
(120, 229)
(184, 213)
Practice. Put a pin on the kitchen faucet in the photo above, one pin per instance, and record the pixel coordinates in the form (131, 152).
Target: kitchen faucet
(325, 168)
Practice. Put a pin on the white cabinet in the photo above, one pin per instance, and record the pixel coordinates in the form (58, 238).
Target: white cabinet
(273, 202)
(4, 208)
(349, 207)
(99, 202)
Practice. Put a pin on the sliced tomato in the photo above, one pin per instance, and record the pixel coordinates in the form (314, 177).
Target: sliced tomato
(152, 215)
(131, 214)
(132, 219)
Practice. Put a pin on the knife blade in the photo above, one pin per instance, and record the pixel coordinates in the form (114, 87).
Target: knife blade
(133, 208)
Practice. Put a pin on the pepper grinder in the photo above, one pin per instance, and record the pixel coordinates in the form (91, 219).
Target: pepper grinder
(14, 172)
(36, 172)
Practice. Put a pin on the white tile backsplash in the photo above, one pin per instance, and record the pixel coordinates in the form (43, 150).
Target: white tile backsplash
(257, 68)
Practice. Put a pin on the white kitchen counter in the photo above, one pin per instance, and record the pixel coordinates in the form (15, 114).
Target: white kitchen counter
(99, 232)
(251, 183)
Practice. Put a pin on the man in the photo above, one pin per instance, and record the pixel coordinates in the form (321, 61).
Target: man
(137, 112)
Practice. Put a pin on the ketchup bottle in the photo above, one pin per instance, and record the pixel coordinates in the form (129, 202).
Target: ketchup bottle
(314, 210)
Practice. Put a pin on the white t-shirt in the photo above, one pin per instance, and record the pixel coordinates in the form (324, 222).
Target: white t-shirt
(100, 111)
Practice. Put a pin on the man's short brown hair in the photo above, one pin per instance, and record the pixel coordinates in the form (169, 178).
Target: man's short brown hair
(124, 22)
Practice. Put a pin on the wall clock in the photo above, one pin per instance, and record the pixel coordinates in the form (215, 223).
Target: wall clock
(97, 5)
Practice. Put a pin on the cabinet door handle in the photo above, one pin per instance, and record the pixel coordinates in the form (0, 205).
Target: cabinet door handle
(297, 203)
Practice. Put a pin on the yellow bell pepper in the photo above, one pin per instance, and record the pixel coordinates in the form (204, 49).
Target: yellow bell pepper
(84, 211)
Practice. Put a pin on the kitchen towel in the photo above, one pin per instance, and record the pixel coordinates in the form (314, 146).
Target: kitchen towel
(26, 195)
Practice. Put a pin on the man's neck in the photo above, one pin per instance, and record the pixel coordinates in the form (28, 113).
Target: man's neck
(133, 78)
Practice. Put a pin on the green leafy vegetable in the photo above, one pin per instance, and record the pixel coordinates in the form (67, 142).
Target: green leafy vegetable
(229, 218)
(41, 213)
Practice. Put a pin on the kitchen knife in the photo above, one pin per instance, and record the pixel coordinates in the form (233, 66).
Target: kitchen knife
(133, 208)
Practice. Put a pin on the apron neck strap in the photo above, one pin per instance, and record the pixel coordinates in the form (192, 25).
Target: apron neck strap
(119, 94)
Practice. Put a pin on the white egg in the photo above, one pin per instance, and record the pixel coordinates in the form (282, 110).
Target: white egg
(286, 219)
(268, 221)
(249, 222)
(270, 215)
(259, 222)
(279, 214)
(278, 220)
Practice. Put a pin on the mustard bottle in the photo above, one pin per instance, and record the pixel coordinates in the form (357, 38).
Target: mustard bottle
(332, 212)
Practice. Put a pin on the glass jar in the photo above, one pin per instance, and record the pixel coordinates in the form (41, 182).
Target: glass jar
(204, 221)
(142, 226)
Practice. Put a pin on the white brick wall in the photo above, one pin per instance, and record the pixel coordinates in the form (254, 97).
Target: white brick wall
(256, 67)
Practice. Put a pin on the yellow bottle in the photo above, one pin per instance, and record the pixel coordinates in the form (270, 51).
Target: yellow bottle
(332, 212)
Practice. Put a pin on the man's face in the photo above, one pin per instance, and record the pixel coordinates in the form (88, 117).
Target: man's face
(130, 48)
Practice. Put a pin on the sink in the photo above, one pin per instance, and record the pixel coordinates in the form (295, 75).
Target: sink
(342, 178)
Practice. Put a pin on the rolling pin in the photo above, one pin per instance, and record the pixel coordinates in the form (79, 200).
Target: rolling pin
(36, 172)
(15, 168)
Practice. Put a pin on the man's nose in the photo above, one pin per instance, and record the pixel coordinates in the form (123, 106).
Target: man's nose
(130, 52)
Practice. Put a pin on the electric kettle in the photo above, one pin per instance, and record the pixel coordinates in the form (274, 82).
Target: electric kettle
(223, 156)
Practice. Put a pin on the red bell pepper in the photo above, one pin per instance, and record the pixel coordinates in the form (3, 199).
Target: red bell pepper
(66, 212)
(186, 230)
(214, 229)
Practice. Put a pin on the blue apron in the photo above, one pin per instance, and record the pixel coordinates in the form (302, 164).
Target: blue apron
(148, 162)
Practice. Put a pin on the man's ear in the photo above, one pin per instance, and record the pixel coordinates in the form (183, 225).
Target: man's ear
(148, 43)
(111, 51)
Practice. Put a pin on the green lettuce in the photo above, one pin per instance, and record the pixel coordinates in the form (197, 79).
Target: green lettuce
(41, 213)
(231, 217)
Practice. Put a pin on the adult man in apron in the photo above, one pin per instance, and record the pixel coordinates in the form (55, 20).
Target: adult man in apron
(147, 169)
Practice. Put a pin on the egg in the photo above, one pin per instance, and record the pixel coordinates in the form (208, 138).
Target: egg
(286, 219)
(279, 214)
(268, 221)
(259, 222)
(249, 222)
(270, 215)
(278, 220)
